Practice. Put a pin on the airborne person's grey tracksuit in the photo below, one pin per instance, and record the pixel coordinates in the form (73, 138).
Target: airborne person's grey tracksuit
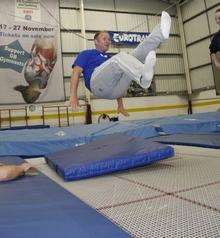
(112, 78)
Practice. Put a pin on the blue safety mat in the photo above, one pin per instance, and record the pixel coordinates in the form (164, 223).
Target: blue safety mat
(195, 123)
(38, 207)
(210, 140)
(39, 142)
(111, 153)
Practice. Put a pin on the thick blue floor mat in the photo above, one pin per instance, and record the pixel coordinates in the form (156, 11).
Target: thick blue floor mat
(210, 140)
(39, 142)
(111, 153)
(38, 207)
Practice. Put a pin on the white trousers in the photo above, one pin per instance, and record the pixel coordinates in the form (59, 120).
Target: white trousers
(112, 78)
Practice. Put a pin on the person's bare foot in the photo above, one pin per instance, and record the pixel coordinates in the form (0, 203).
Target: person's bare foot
(123, 112)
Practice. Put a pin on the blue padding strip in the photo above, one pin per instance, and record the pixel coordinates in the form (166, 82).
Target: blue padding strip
(110, 153)
(210, 140)
(25, 127)
(38, 207)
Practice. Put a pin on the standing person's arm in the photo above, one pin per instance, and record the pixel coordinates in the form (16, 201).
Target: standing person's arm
(74, 87)
(216, 60)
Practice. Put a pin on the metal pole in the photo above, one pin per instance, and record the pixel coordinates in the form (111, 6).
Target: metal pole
(59, 119)
(43, 115)
(185, 59)
(67, 115)
(9, 114)
(83, 32)
(26, 116)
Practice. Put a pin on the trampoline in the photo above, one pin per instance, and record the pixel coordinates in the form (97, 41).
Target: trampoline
(173, 197)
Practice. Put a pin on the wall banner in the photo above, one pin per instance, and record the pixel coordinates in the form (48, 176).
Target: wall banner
(30, 52)
(127, 38)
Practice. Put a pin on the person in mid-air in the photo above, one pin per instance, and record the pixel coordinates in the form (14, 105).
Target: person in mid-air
(109, 78)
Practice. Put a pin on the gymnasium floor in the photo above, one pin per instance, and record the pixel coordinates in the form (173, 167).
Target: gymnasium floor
(177, 197)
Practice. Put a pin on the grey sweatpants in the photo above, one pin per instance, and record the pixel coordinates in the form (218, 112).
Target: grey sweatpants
(112, 78)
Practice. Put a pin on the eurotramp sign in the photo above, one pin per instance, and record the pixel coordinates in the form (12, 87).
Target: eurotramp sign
(127, 38)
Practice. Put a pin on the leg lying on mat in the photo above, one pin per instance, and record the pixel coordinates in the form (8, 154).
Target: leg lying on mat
(109, 78)
(10, 172)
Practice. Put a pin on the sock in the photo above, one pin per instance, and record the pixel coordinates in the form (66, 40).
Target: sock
(165, 24)
(148, 70)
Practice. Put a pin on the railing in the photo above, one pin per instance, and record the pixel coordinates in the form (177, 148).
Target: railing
(54, 115)
(60, 115)
(7, 121)
(43, 115)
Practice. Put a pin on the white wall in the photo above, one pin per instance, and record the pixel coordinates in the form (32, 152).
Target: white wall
(142, 108)
(199, 25)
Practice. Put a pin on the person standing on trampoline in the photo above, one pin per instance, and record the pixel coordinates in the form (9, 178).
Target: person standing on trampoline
(215, 43)
(109, 78)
